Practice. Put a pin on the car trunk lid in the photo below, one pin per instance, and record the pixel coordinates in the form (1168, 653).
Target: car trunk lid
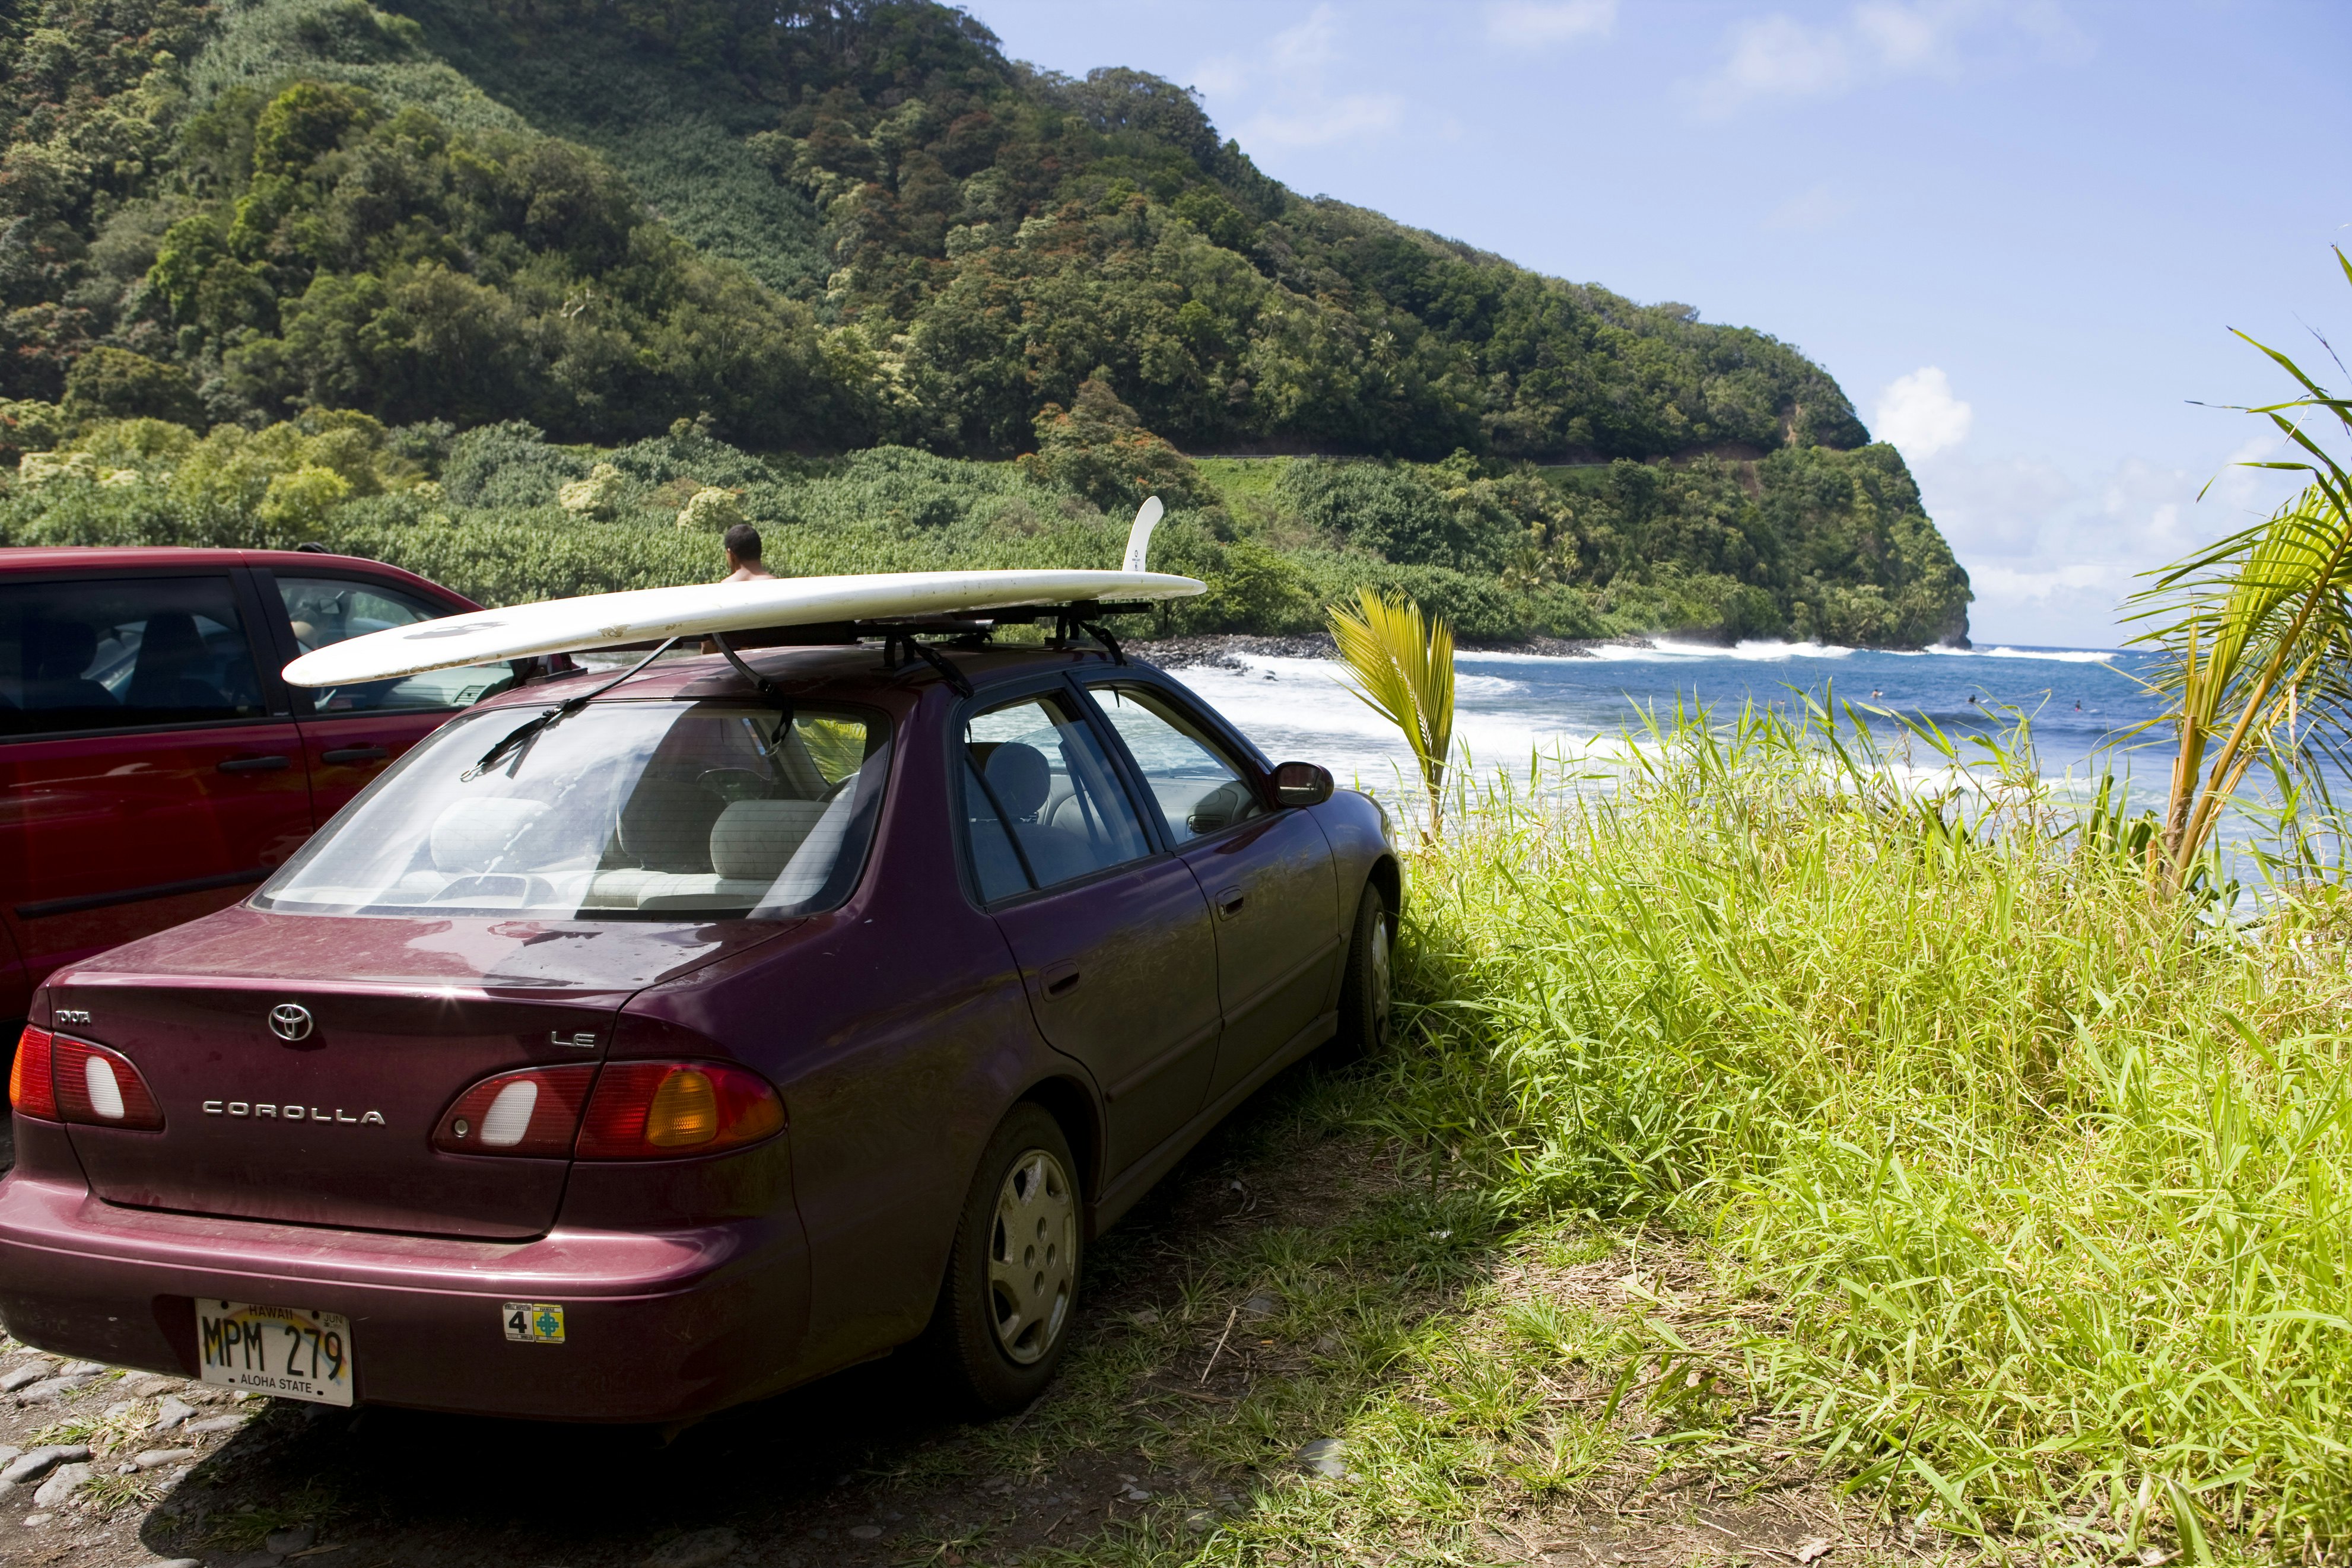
(390, 1022)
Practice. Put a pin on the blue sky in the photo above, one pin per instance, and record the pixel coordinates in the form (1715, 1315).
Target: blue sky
(2017, 233)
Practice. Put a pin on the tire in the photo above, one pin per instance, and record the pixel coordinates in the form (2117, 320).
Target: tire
(1010, 1291)
(1366, 990)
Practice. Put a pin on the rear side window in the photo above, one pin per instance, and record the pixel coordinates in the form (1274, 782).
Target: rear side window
(1042, 802)
(325, 610)
(123, 654)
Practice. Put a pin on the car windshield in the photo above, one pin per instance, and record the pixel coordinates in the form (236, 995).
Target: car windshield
(659, 811)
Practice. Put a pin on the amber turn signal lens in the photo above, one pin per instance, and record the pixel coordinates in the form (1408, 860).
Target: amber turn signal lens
(684, 1111)
(28, 1080)
(667, 1110)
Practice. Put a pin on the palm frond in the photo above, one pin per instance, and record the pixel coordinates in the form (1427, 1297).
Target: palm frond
(1402, 665)
(2255, 631)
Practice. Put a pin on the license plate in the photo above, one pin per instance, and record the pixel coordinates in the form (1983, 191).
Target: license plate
(294, 1353)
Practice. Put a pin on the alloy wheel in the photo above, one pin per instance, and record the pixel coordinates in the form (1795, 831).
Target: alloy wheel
(1377, 976)
(1032, 1251)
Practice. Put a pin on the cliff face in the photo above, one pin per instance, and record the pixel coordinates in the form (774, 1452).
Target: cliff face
(828, 225)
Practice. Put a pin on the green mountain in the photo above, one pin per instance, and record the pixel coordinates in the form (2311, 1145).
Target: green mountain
(821, 228)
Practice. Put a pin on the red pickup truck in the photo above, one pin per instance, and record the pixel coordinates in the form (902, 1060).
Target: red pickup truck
(153, 767)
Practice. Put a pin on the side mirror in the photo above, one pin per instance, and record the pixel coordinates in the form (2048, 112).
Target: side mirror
(1302, 784)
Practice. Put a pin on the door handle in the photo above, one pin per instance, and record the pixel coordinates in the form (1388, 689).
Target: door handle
(254, 764)
(354, 754)
(1061, 979)
(1230, 901)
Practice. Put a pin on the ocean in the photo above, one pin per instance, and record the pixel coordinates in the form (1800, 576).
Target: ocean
(2083, 704)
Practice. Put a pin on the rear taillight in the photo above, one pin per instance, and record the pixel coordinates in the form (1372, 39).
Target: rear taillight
(28, 1080)
(533, 1111)
(99, 1088)
(665, 1110)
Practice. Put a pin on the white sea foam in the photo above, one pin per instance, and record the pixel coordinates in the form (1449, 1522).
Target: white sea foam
(1754, 650)
(1304, 708)
(2051, 655)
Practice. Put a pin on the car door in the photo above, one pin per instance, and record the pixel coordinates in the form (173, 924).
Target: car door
(1111, 933)
(351, 733)
(1266, 872)
(149, 771)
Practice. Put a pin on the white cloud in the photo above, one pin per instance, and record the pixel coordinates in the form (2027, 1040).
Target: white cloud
(1919, 414)
(1357, 114)
(1293, 69)
(1779, 56)
(2052, 556)
(1535, 23)
(1906, 37)
(1314, 42)
(1818, 208)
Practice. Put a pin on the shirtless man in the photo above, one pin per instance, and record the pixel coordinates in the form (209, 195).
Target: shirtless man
(743, 546)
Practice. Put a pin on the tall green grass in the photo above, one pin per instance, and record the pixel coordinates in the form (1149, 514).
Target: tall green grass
(2038, 1187)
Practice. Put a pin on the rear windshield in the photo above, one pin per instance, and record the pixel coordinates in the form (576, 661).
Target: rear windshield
(623, 810)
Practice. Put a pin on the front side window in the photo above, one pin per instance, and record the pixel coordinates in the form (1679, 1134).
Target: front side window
(325, 610)
(1042, 804)
(124, 653)
(1196, 785)
(654, 811)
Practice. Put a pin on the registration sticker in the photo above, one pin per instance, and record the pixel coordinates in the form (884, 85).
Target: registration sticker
(532, 1323)
(294, 1353)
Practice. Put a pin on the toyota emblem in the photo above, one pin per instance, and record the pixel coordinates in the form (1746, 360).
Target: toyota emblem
(289, 1021)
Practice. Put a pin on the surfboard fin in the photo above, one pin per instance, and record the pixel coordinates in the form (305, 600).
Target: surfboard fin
(1138, 538)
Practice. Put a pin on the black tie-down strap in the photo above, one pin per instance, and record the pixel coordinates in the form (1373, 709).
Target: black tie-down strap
(955, 678)
(759, 683)
(1102, 633)
(520, 738)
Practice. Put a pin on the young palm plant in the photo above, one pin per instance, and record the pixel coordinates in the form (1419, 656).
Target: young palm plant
(1402, 663)
(2256, 632)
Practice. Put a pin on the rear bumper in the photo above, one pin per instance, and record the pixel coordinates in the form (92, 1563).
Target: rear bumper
(658, 1325)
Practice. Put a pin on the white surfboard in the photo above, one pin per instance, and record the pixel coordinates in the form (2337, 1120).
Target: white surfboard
(697, 610)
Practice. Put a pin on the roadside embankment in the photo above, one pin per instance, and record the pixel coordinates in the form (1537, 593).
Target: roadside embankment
(2024, 1198)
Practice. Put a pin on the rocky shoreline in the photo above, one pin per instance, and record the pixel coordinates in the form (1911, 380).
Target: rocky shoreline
(1225, 650)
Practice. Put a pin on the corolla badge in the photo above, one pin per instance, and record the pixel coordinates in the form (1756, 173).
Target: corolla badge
(290, 1021)
(268, 1110)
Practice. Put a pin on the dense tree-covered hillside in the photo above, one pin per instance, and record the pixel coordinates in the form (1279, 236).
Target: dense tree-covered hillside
(823, 225)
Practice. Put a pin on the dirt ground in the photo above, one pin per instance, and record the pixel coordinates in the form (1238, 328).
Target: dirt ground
(865, 1467)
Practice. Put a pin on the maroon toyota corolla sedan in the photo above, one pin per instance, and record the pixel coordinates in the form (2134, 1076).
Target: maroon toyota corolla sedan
(628, 1060)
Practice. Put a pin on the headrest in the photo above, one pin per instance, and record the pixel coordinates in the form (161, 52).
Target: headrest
(1018, 776)
(169, 634)
(755, 838)
(470, 835)
(666, 824)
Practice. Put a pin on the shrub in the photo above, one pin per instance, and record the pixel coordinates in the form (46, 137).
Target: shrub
(115, 383)
(1099, 449)
(713, 510)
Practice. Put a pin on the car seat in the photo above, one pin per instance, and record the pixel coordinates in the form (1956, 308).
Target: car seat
(665, 825)
(1022, 781)
(168, 674)
(64, 651)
